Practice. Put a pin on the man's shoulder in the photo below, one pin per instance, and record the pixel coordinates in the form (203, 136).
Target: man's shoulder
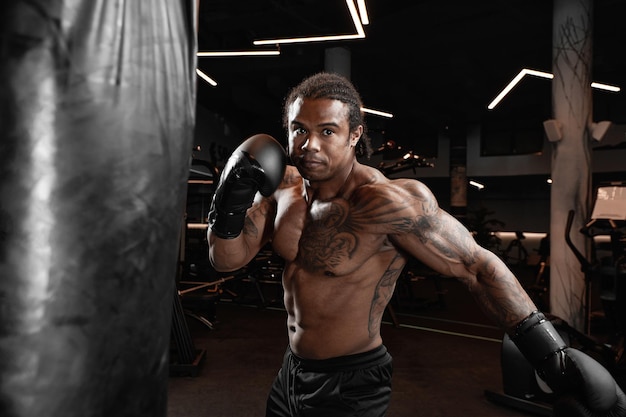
(412, 186)
(380, 185)
(292, 177)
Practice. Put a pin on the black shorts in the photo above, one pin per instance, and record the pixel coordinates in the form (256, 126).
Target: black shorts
(354, 385)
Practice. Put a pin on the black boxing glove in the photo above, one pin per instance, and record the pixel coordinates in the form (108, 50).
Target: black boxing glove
(258, 164)
(582, 386)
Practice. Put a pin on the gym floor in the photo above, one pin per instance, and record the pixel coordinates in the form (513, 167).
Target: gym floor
(446, 356)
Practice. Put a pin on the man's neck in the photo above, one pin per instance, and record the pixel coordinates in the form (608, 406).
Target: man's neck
(329, 189)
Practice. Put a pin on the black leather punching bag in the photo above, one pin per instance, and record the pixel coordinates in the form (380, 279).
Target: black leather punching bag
(97, 104)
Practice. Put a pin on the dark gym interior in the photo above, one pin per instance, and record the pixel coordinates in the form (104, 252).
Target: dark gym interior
(435, 65)
(449, 359)
(117, 119)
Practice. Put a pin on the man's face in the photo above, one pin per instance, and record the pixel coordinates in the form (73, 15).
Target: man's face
(319, 137)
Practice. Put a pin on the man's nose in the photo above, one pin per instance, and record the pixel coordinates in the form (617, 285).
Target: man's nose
(311, 144)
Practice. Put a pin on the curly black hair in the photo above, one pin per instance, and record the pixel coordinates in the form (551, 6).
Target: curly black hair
(336, 87)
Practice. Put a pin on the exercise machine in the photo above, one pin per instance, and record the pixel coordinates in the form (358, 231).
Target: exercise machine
(607, 267)
(521, 255)
(522, 388)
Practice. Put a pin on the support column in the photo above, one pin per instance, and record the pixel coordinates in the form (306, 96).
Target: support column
(571, 161)
(338, 60)
(458, 192)
(458, 172)
(97, 107)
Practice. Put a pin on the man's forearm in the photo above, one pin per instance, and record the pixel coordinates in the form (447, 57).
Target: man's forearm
(227, 255)
(500, 294)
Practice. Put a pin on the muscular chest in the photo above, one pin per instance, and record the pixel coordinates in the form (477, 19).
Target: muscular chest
(326, 237)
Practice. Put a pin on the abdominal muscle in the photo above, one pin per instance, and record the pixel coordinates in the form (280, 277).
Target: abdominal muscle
(331, 316)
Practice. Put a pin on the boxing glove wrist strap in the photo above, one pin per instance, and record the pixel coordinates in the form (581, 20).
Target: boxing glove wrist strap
(226, 225)
(537, 338)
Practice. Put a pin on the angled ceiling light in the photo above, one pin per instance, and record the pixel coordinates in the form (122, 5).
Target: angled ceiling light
(606, 87)
(360, 33)
(214, 54)
(376, 112)
(363, 12)
(540, 74)
(514, 82)
(476, 184)
(237, 53)
(206, 77)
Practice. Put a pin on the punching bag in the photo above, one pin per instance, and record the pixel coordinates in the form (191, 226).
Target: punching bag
(97, 104)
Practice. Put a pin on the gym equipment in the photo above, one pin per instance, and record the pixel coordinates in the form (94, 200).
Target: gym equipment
(410, 160)
(582, 385)
(97, 109)
(265, 274)
(539, 289)
(199, 286)
(608, 219)
(186, 359)
(196, 296)
(522, 254)
(521, 388)
(415, 272)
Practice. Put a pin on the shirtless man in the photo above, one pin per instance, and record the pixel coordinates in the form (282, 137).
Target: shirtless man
(345, 232)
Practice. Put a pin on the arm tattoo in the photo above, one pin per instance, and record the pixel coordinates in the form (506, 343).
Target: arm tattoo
(291, 178)
(383, 293)
(259, 213)
(249, 228)
(500, 295)
(451, 239)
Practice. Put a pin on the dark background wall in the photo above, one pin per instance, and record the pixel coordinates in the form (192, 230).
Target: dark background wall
(516, 188)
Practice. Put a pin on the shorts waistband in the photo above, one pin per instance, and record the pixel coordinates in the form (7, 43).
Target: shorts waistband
(374, 357)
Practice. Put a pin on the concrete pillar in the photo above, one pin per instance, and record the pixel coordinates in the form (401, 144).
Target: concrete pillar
(97, 107)
(458, 191)
(458, 171)
(571, 161)
(338, 61)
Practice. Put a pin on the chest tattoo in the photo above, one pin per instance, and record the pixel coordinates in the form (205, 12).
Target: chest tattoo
(328, 240)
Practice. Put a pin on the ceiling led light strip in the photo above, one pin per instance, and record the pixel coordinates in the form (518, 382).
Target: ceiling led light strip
(514, 82)
(206, 77)
(355, 18)
(363, 12)
(606, 87)
(376, 112)
(539, 74)
(476, 184)
(237, 53)
(229, 54)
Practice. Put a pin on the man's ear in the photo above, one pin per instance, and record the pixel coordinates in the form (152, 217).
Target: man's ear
(356, 135)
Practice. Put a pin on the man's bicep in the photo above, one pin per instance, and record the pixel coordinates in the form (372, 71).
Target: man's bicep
(441, 242)
(259, 223)
(452, 240)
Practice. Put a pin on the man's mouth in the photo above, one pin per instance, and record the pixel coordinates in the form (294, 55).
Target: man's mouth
(310, 163)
